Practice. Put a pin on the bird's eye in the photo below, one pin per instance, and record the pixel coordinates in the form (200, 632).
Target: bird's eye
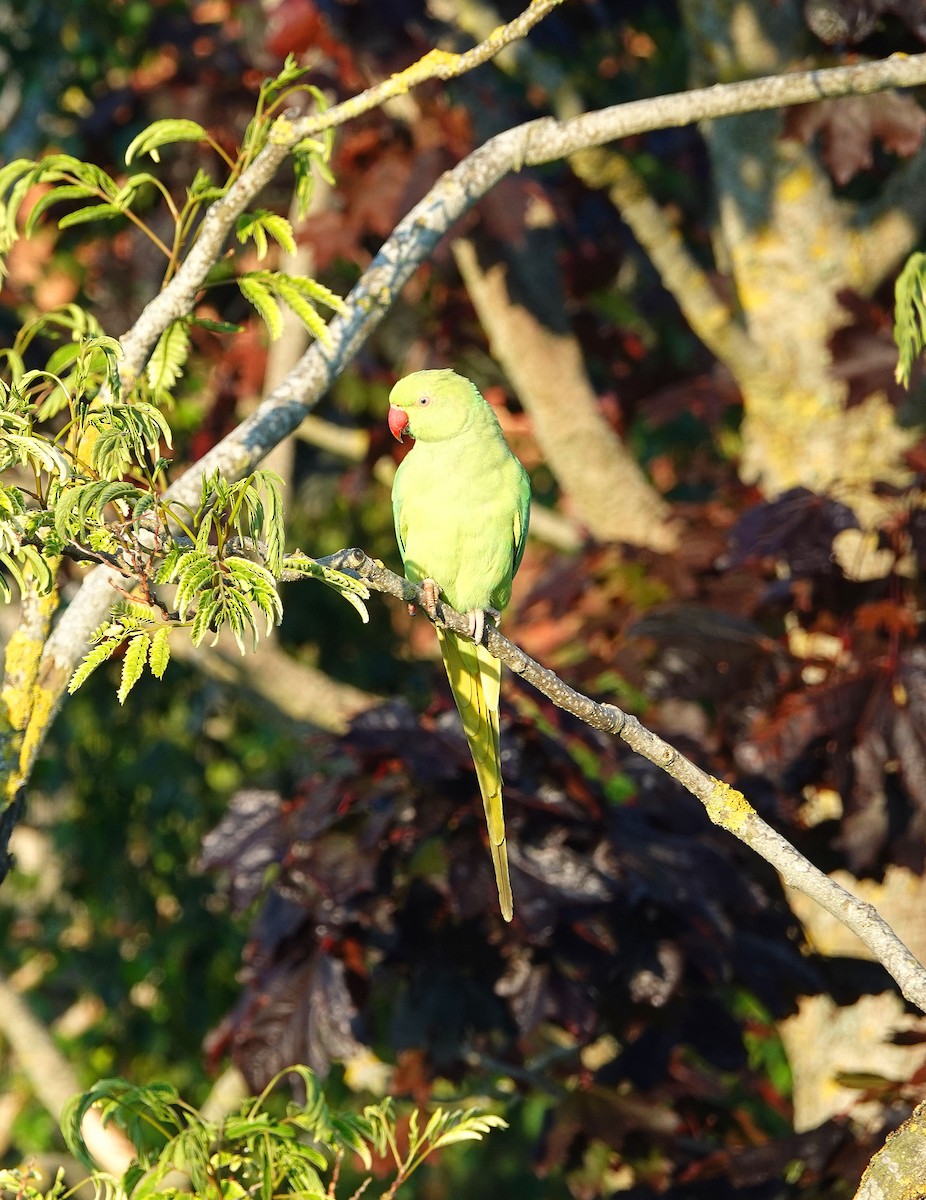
(423, 400)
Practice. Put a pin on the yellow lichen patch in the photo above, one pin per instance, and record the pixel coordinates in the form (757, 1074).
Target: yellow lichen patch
(43, 709)
(728, 807)
(22, 660)
(283, 132)
(796, 183)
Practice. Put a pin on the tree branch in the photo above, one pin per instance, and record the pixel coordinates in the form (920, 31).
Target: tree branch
(610, 492)
(725, 806)
(887, 230)
(54, 1080)
(411, 243)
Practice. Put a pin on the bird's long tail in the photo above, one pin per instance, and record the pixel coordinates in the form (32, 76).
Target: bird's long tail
(475, 680)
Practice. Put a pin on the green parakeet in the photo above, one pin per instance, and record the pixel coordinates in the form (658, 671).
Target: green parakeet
(461, 502)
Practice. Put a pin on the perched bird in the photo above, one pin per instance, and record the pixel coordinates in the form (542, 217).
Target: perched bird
(461, 503)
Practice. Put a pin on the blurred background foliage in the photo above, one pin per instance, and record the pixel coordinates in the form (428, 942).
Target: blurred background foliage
(234, 869)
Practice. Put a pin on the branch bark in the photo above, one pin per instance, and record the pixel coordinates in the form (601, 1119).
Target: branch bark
(725, 806)
(54, 1080)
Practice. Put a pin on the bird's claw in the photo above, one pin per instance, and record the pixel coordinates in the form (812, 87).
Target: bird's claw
(477, 622)
(430, 597)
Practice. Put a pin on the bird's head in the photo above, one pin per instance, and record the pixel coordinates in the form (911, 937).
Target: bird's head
(432, 406)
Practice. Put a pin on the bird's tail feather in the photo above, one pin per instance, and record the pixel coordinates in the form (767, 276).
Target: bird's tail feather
(475, 680)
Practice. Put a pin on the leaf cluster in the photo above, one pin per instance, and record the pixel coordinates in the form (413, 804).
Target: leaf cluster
(91, 444)
(92, 194)
(225, 569)
(256, 1151)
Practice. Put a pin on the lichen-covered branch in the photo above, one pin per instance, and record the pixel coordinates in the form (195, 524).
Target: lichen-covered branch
(725, 806)
(898, 1169)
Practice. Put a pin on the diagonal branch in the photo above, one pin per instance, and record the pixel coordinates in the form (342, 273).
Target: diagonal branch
(609, 492)
(724, 805)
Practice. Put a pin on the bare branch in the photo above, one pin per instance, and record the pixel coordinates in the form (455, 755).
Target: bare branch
(724, 805)
(54, 1080)
(708, 315)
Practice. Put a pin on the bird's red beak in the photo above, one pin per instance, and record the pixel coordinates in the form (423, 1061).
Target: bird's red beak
(398, 421)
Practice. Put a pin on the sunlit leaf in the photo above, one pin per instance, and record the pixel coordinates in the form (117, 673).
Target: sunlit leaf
(163, 133)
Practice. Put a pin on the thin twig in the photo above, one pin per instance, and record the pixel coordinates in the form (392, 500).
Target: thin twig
(725, 805)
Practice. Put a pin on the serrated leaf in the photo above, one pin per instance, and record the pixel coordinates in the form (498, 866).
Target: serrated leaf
(163, 133)
(99, 654)
(167, 361)
(192, 578)
(144, 502)
(111, 492)
(308, 315)
(136, 655)
(318, 292)
(259, 296)
(910, 315)
(202, 622)
(260, 224)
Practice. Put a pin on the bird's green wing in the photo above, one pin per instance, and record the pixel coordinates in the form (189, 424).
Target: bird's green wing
(475, 680)
(522, 520)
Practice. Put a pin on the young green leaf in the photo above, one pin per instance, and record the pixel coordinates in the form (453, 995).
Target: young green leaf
(93, 212)
(163, 133)
(167, 361)
(910, 315)
(91, 660)
(136, 655)
(256, 292)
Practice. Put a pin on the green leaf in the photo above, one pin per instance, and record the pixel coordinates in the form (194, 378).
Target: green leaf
(354, 590)
(216, 326)
(94, 212)
(163, 133)
(258, 225)
(318, 292)
(257, 294)
(194, 571)
(136, 655)
(910, 315)
(99, 654)
(166, 364)
(304, 311)
(74, 191)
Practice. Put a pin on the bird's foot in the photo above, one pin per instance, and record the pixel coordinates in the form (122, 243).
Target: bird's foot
(477, 622)
(430, 597)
